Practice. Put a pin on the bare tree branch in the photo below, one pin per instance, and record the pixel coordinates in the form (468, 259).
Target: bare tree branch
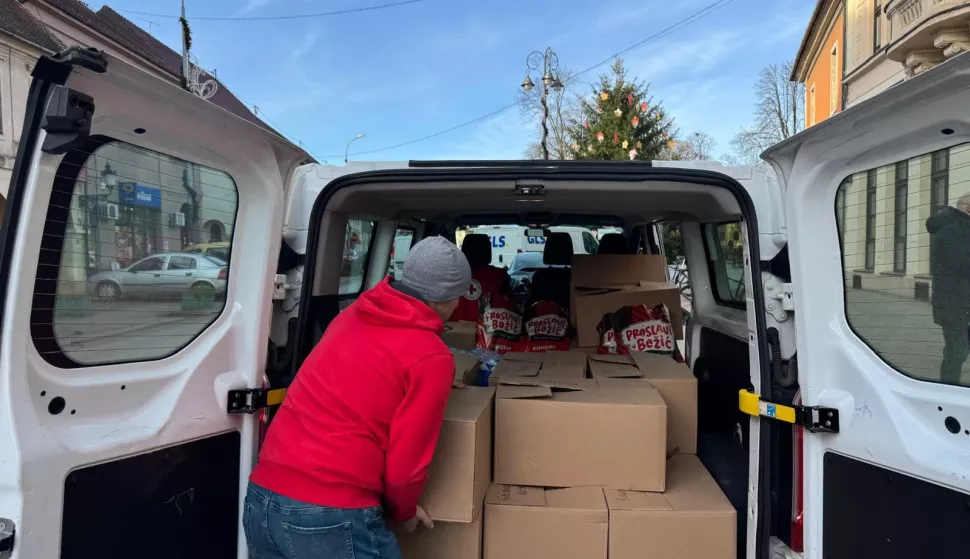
(779, 113)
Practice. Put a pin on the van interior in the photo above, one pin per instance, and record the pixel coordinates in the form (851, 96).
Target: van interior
(417, 203)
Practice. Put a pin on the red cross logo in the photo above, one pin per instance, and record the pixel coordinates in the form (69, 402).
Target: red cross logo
(474, 291)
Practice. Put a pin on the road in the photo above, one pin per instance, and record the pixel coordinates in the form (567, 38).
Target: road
(129, 330)
(901, 331)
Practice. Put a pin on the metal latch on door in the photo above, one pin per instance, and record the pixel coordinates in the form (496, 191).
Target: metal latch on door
(251, 400)
(815, 419)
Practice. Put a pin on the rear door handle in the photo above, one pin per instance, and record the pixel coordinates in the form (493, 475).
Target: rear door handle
(158, 275)
(188, 274)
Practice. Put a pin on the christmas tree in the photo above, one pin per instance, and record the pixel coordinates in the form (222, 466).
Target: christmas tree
(621, 121)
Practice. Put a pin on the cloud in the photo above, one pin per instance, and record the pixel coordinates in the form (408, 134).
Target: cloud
(253, 5)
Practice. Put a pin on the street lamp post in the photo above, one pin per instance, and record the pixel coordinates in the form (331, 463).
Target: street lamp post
(90, 202)
(548, 62)
(347, 151)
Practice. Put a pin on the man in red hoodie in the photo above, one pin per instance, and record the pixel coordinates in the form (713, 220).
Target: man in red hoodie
(351, 444)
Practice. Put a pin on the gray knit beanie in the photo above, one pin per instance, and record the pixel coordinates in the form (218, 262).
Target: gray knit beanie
(436, 270)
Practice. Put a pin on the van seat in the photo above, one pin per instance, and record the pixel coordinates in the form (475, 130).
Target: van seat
(477, 248)
(612, 243)
(552, 284)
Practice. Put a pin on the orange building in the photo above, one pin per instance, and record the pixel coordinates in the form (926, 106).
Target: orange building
(821, 60)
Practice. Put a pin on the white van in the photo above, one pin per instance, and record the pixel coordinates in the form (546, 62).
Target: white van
(509, 240)
(128, 428)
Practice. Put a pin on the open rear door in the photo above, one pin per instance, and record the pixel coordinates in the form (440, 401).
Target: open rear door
(118, 350)
(880, 261)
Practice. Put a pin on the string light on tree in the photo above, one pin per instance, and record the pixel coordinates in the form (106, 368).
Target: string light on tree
(611, 112)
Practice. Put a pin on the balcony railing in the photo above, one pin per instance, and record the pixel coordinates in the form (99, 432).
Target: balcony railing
(906, 15)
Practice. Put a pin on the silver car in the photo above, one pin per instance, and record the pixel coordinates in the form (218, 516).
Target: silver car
(162, 275)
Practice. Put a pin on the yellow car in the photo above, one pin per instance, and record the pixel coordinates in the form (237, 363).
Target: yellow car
(218, 250)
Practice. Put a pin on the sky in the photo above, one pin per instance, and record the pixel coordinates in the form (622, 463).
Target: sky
(406, 72)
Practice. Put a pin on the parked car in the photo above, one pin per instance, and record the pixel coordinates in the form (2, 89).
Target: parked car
(220, 250)
(163, 275)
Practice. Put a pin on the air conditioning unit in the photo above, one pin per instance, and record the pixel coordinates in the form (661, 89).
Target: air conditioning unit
(108, 210)
(176, 219)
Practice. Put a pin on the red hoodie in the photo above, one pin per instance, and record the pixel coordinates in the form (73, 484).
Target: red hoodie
(360, 422)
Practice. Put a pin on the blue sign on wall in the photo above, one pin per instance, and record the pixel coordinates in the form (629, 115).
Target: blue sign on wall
(134, 194)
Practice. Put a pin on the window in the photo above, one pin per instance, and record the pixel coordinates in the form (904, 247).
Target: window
(222, 253)
(834, 80)
(939, 179)
(102, 295)
(403, 241)
(152, 264)
(590, 245)
(181, 263)
(811, 111)
(357, 245)
(901, 206)
(725, 255)
(871, 177)
(914, 315)
(877, 27)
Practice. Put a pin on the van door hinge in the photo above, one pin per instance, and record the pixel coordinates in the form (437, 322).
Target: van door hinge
(778, 299)
(251, 400)
(7, 535)
(815, 419)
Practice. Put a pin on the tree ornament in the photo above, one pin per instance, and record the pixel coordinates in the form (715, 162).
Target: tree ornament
(616, 138)
(671, 144)
(575, 146)
(599, 136)
(585, 124)
(644, 107)
(639, 145)
(636, 121)
(618, 113)
(604, 96)
(666, 136)
(629, 99)
(626, 144)
(599, 111)
(633, 154)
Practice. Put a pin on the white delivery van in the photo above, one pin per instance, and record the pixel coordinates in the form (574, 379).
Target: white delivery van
(509, 240)
(128, 427)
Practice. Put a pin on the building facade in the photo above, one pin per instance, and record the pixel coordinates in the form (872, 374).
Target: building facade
(889, 41)
(820, 60)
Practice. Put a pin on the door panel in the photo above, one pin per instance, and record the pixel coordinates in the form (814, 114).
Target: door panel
(870, 338)
(87, 394)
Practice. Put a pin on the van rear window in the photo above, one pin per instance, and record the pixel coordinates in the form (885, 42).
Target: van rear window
(904, 230)
(115, 283)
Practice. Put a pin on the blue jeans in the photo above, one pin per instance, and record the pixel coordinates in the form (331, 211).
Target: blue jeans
(278, 527)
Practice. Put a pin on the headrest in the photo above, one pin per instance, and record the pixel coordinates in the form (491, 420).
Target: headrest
(477, 248)
(612, 243)
(558, 250)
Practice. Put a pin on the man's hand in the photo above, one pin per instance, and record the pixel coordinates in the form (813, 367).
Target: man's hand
(457, 384)
(411, 524)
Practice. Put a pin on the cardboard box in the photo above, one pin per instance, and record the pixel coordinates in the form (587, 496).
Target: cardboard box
(516, 364)
(678, 387)
(589, 306)
(460, 335)
(600, 270)
(460, 470)
(613, 366)
(566, 365)
(447, 540)
(536, 523)
(557, 433)
(692, 518)
(467, 368)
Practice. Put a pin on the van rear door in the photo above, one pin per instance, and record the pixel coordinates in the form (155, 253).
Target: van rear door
(115, 438)
(882, 295)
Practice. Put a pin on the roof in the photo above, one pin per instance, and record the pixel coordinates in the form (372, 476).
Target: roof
(815, 25)
(123, 31)
(19, 23)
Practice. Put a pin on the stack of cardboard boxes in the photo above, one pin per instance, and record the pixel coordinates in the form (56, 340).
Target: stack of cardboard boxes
(573, 454)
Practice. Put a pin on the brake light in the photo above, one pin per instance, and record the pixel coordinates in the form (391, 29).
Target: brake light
(223, 274)
(797, 505)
